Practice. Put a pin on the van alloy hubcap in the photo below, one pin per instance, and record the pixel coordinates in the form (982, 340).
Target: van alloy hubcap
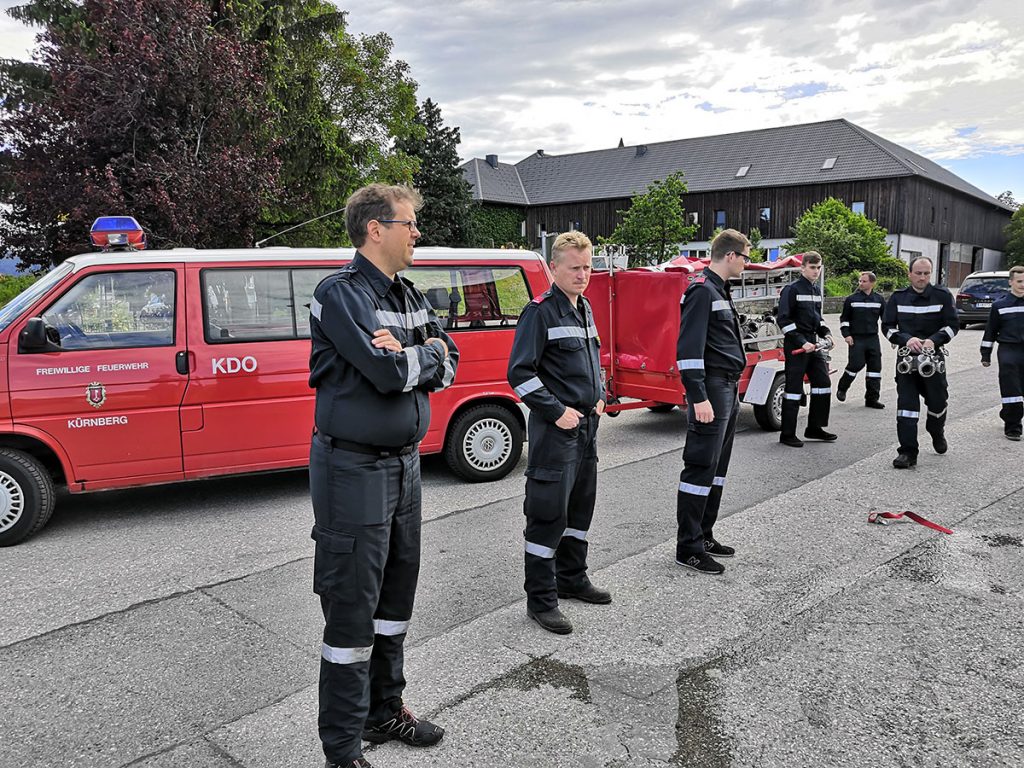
(12, 502)
(487, 444)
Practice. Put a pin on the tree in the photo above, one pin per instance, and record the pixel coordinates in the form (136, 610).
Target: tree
(446, 193)
(847, 241)
(1007, 198)
(655, 224)
(145, 108)
(1015, 238)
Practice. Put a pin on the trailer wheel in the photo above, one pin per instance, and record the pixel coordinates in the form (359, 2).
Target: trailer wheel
(26, 496)
(484, 443)
(769, 415)
(661, 408)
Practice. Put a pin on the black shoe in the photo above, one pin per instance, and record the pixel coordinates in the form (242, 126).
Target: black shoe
(791, 440)
(713, 547)
(588, 594)
(359, 762)
(553, 621)
(820, 434)
(703, 563)
(841, 395)
(904, 461)
(406, 728)
(874, 404)
(939, 444)
(1015, 436)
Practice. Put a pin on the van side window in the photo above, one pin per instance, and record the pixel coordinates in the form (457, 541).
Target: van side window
(114, 310)
(304, 282)
(473, 298)
(247, 305)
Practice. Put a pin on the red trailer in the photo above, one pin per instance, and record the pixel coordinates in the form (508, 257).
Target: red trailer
(637, 317)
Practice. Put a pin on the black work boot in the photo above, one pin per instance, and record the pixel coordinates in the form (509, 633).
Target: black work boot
(791, 440)
(873, 404)
(553, 621)
(359, 762)
(939, 443)
(820, 434)
(904, 461)
(588, 593)
(840, 394)
(1013, 434)
(405, 727)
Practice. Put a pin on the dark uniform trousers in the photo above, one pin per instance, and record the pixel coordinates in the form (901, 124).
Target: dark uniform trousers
(367, 512)
(910, 389)
(561, 488)
(1011, 384)
(813, 365)
(866, 350)
(705, 464)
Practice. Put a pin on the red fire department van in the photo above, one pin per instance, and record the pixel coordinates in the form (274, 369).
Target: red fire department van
(136, 368)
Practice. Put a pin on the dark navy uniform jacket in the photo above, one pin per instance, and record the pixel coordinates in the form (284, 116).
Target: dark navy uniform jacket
(800, 312)
(930, 314)
(369, 395)
(861, 313)
(1005, 324)
(709, 334)
(555, 360)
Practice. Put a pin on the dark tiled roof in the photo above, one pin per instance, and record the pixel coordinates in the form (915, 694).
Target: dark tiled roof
(784, 156)
(495, 185)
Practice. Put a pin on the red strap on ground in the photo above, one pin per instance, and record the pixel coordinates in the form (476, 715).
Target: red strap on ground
(881, 518)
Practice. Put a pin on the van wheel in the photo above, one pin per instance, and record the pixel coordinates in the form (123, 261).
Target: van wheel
(769, 415)
(661, 408)
(26, 496)
(484, 443)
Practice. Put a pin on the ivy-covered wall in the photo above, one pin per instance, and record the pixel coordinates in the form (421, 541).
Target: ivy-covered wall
(492, 226)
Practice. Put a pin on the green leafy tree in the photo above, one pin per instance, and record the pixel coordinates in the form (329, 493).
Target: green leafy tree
(1015, 239)
(1008, 198)
(757, 253)
(446, 193)
(847, 241)
(655, 224)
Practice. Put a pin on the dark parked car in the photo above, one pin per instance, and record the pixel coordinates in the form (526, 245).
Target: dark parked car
(975, 297)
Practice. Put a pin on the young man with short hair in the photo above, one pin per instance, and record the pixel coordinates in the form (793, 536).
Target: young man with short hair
(1006, 326)
(858, 324)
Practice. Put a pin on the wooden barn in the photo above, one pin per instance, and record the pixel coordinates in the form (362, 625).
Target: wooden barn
(765, 179)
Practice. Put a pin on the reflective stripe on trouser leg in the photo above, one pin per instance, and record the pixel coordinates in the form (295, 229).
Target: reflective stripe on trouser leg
(550, 476)
(821, 392)
(356, 510)
(873, 382)
(1011, 385)
(936, 399)
(571, 558)
(698, 497)
(796, 366)
(853, 365)
(714, 501)
(908, 411)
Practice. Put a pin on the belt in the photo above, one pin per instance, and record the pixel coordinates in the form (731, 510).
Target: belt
(370, 450)
(721, 373)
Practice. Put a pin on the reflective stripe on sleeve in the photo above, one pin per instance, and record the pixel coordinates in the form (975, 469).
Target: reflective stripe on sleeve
(390, 628)
(539, 550)
(528, 386)
(915, 310)
(908, 414)
(717, 306)
(345, 655)
(408, 321)
(695, 490)
(449, 373)
(949, 331)
(988, 344)
(1009, 400)
(690, 364)
(889, 333)
(808, 297)
(575, 533)
(315, 308)
(844, 324)
(789, 328)
(413, 376)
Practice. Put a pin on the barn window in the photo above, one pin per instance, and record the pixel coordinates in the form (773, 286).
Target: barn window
(720, 219)
(858, 207)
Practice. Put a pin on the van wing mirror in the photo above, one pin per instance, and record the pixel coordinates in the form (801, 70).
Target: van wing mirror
(37, 336)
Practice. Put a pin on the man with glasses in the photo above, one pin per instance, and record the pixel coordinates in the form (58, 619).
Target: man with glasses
(377, 353)
(801, 322)
(710, 361)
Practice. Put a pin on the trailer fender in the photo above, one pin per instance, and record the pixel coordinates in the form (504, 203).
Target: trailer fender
(761, 379)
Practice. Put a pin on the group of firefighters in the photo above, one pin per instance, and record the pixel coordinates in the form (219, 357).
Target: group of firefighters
(378, 351)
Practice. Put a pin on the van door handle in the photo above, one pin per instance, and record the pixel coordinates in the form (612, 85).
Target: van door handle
(181, 362)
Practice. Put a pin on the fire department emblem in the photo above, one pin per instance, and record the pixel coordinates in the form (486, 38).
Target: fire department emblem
(96, 394)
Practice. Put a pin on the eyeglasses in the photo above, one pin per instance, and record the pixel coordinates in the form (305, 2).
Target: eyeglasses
(409, 224)
(746, 259)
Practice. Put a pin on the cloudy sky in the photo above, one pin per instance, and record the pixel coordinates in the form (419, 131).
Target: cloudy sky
(944, 78)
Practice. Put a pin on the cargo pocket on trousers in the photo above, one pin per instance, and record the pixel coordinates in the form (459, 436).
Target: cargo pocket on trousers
(544, 493)
(334, 565)
(701, 442)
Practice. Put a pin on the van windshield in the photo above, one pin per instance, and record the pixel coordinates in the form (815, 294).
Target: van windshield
(28, 297)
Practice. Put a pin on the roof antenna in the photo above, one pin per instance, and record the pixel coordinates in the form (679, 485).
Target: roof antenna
(259, 243)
